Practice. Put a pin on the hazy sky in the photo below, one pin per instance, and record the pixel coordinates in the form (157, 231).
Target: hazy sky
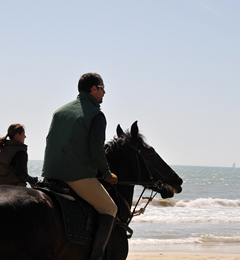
(173, 65)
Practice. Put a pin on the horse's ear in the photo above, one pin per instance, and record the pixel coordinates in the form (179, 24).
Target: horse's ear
(119, 131)
(134, 130)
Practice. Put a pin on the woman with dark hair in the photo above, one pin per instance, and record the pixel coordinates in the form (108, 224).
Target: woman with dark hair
(14, 158)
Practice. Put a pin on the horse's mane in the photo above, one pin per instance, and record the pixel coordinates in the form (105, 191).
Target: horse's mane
(124, 142)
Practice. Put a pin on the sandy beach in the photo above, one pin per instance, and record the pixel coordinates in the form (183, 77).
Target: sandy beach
(181, 255)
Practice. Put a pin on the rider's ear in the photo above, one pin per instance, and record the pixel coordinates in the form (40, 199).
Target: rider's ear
(134, 130)
(120, 132)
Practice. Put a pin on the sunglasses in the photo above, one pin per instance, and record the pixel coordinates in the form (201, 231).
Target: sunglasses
(101, 86)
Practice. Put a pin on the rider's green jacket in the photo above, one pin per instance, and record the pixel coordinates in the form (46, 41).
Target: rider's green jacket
(71, 153)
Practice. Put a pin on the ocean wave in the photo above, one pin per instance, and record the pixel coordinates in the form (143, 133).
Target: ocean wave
(197, 239)
(209, 238)
(150, 241)
(186, 219)
(188, 212)
(197, 203)
(208, 203)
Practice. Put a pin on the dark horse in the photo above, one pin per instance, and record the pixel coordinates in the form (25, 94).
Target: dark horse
(31, 221)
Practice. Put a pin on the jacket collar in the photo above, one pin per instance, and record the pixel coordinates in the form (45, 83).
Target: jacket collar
(15, 143)
(86, 95)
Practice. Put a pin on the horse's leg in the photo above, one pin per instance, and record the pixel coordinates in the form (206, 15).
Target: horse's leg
(117, 248)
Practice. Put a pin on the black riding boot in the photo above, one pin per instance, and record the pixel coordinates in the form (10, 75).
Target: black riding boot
(101, 238)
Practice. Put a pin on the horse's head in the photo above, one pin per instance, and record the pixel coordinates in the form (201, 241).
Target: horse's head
(134, 161)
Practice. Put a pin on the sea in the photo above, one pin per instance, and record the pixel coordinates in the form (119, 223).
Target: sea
(204, 217)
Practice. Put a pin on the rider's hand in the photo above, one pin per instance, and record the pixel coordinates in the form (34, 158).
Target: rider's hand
(113, 179)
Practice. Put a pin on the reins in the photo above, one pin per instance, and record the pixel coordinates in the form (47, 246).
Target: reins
(141, 210)
(125, 224)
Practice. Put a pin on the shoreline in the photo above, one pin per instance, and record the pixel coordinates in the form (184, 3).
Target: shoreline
(210, 248)
(181, 255)
(185, 252)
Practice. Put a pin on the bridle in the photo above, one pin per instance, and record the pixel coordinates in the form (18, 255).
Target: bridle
(157, 185)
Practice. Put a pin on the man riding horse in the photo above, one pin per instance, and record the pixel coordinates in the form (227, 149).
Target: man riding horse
(74, 153)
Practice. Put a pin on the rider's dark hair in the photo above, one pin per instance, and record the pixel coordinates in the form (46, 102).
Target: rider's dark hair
(12, 131)
(89, 80)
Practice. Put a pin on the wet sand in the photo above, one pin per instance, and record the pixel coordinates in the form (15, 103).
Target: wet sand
(180, 256)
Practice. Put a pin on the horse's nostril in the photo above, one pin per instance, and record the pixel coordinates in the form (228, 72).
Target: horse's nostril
(166, 192)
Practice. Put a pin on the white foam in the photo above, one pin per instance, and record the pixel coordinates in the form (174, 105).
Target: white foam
(208, 203)
(189, 215)
(196, 239)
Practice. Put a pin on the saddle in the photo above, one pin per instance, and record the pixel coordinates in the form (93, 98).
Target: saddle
(79, 217)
